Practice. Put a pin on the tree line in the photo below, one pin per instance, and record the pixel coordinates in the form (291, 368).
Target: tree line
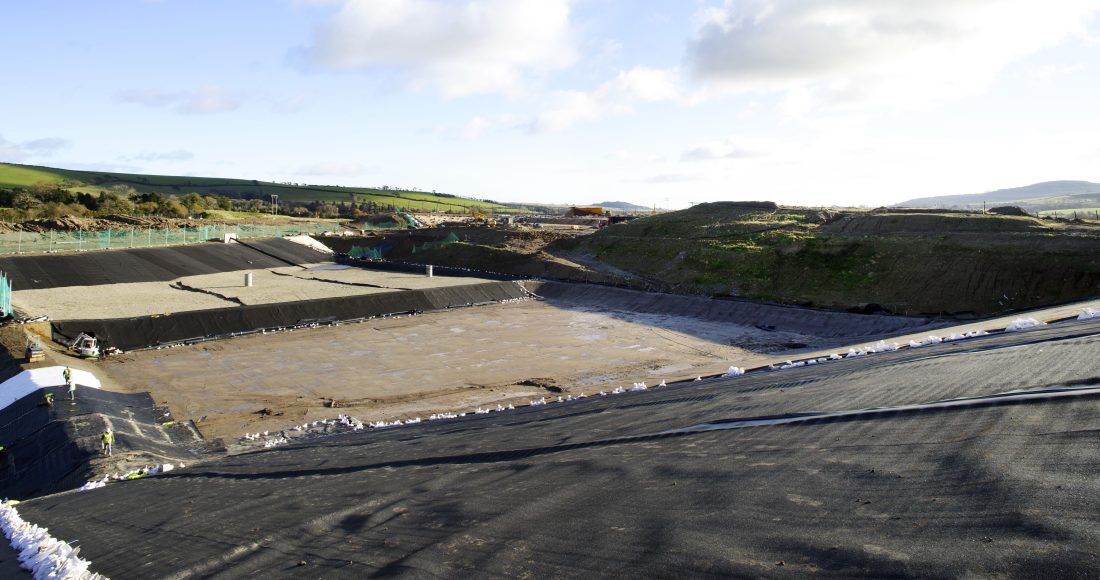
(53, 200)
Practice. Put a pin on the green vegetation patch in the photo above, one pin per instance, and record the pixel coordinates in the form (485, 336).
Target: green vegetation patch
(25, 176)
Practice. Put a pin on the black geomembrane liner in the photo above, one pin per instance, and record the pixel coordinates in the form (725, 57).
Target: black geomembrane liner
(96, 268)
(552, 491)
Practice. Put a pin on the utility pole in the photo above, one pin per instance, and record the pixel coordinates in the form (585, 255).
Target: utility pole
(274, 204)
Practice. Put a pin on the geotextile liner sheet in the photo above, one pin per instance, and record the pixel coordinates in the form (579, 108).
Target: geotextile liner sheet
(290, 252)
(147, 331)
(49, 447)
(153, 264)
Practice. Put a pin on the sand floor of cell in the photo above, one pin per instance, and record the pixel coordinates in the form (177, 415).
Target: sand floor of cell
(456, 361)
(221, 290)
(435, 362)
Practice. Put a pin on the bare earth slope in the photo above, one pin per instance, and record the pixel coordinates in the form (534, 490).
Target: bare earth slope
(905, 262)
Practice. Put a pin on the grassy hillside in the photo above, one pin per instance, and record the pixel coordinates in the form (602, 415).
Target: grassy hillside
(12, 175)
(1038, 197)
(26, 176)
(907, 263)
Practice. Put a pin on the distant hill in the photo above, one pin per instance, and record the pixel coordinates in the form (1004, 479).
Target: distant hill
(13, 175)
(621, 205)
(1036, 198)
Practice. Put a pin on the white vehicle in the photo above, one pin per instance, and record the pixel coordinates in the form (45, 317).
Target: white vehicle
(86, 345)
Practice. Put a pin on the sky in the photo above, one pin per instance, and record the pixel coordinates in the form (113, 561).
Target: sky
(665, 103)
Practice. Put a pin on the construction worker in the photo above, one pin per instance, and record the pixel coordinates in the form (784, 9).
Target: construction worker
(72, 389)
(106, 441)
(67, 373)
(47, 399)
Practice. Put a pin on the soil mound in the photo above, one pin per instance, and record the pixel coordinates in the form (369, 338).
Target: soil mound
(1008, 210)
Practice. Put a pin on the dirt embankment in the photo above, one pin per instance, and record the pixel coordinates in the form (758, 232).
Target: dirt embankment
(907, 263)
(913, 262)
(517, 251)
(103, 223)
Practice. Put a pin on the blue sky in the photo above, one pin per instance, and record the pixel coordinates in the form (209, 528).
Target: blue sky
(809, 102)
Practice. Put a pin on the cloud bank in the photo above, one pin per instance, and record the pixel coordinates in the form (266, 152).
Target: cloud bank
(44, 147)
(206, 100)
(455, 47)
(890, 53)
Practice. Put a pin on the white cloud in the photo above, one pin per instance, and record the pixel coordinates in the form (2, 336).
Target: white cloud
(458, 47)
(477, 126)
(332, 168)
(618, 95)
(206, 100)
(891, 53)
(177, 155)
(670, 178)
(1046, 75)
(147, 97)
(44, 147)
(730, 148)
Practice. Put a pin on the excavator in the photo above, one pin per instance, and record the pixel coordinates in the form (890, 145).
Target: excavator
(480, 219)
(87, 345)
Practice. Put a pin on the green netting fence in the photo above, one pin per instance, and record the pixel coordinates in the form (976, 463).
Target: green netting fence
(366, 253)
(63, 241)
(427, 246)
(5, 296)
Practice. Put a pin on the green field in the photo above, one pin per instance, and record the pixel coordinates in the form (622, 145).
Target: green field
(25, 176)
(12, 175)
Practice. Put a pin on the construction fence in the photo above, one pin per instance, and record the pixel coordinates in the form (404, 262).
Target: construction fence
(5, 296)
(67, 241)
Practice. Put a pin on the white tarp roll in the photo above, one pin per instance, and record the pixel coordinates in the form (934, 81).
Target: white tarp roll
(30, 381)
(248, 279)
(428, 270)
(306, 240)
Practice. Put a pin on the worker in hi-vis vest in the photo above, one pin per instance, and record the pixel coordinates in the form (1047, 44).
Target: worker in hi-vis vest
(107, 440)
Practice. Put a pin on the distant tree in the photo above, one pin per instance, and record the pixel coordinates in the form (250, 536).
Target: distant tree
(87, 200)
(115, 201)
(149, 197)
(26, 201)
(123, 190)
(193, 202)
(52, 210)
(173, 208)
